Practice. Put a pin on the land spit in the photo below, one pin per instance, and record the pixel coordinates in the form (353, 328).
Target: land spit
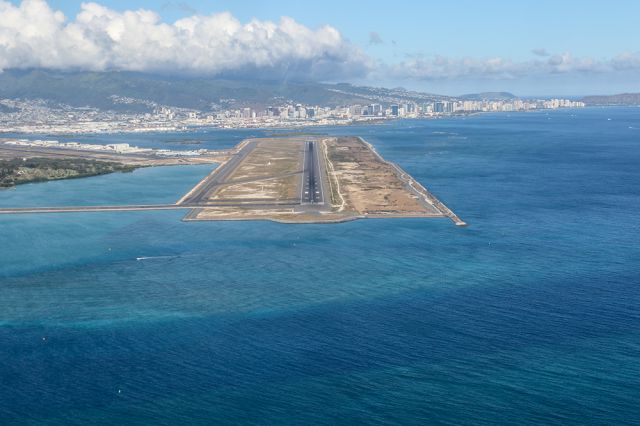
(303, 179)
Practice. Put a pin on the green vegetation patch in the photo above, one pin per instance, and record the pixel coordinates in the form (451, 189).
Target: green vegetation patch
(24, 170)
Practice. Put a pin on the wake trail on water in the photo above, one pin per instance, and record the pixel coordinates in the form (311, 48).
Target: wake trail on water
(155, 257)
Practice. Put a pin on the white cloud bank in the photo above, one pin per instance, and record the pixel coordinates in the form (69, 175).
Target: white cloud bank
(442, 67)
(32, 35)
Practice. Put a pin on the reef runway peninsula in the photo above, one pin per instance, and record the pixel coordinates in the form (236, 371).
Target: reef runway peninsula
(302, 179)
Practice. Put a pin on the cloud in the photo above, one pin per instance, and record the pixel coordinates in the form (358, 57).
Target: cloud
(442, 68)
(374, 38)
(540, 51)
(33, 35)
(628, 61)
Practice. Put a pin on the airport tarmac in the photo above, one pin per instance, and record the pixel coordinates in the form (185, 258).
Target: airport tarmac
(296, 180)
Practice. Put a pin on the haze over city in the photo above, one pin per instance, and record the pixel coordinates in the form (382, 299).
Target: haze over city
(532, 48)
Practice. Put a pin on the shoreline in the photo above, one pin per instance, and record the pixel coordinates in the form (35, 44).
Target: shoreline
(410, 181)
(42, 169)
(366, 185)
(290, 126)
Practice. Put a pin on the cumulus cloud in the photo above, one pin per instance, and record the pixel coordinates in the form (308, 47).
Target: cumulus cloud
(628, 61)
(33, 35)
(442, 67)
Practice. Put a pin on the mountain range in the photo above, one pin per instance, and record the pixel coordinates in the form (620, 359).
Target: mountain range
(141, 92)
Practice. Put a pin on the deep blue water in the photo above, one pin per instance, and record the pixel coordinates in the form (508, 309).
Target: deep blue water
(528, 316)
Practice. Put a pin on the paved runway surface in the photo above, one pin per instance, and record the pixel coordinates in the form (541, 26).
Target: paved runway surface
(312, 190)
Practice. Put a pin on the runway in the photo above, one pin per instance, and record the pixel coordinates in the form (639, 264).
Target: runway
(285, 179)
(311, 186)
(312, 191)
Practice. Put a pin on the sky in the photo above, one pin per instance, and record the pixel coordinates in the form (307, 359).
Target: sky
(531, 48)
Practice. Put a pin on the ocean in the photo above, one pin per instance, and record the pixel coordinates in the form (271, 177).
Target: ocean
(530, 315)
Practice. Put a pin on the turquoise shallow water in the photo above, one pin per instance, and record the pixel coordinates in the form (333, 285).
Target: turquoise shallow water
(143, 186)
(529, 315)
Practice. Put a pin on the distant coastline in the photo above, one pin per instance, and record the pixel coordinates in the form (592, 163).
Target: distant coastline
(107, 128)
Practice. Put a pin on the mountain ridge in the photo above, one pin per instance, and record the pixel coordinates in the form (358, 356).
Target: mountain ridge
(141, 92)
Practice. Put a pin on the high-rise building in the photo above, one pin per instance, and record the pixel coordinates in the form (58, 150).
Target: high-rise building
(449, 107)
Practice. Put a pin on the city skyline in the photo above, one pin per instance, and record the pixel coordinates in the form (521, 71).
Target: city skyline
(38, 115)
(532, 49)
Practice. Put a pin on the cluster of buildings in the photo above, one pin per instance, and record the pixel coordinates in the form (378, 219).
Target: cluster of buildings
(116, 148)
(30, 116)
(379, 111)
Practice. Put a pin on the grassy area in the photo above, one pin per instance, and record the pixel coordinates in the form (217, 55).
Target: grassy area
(19, 170)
